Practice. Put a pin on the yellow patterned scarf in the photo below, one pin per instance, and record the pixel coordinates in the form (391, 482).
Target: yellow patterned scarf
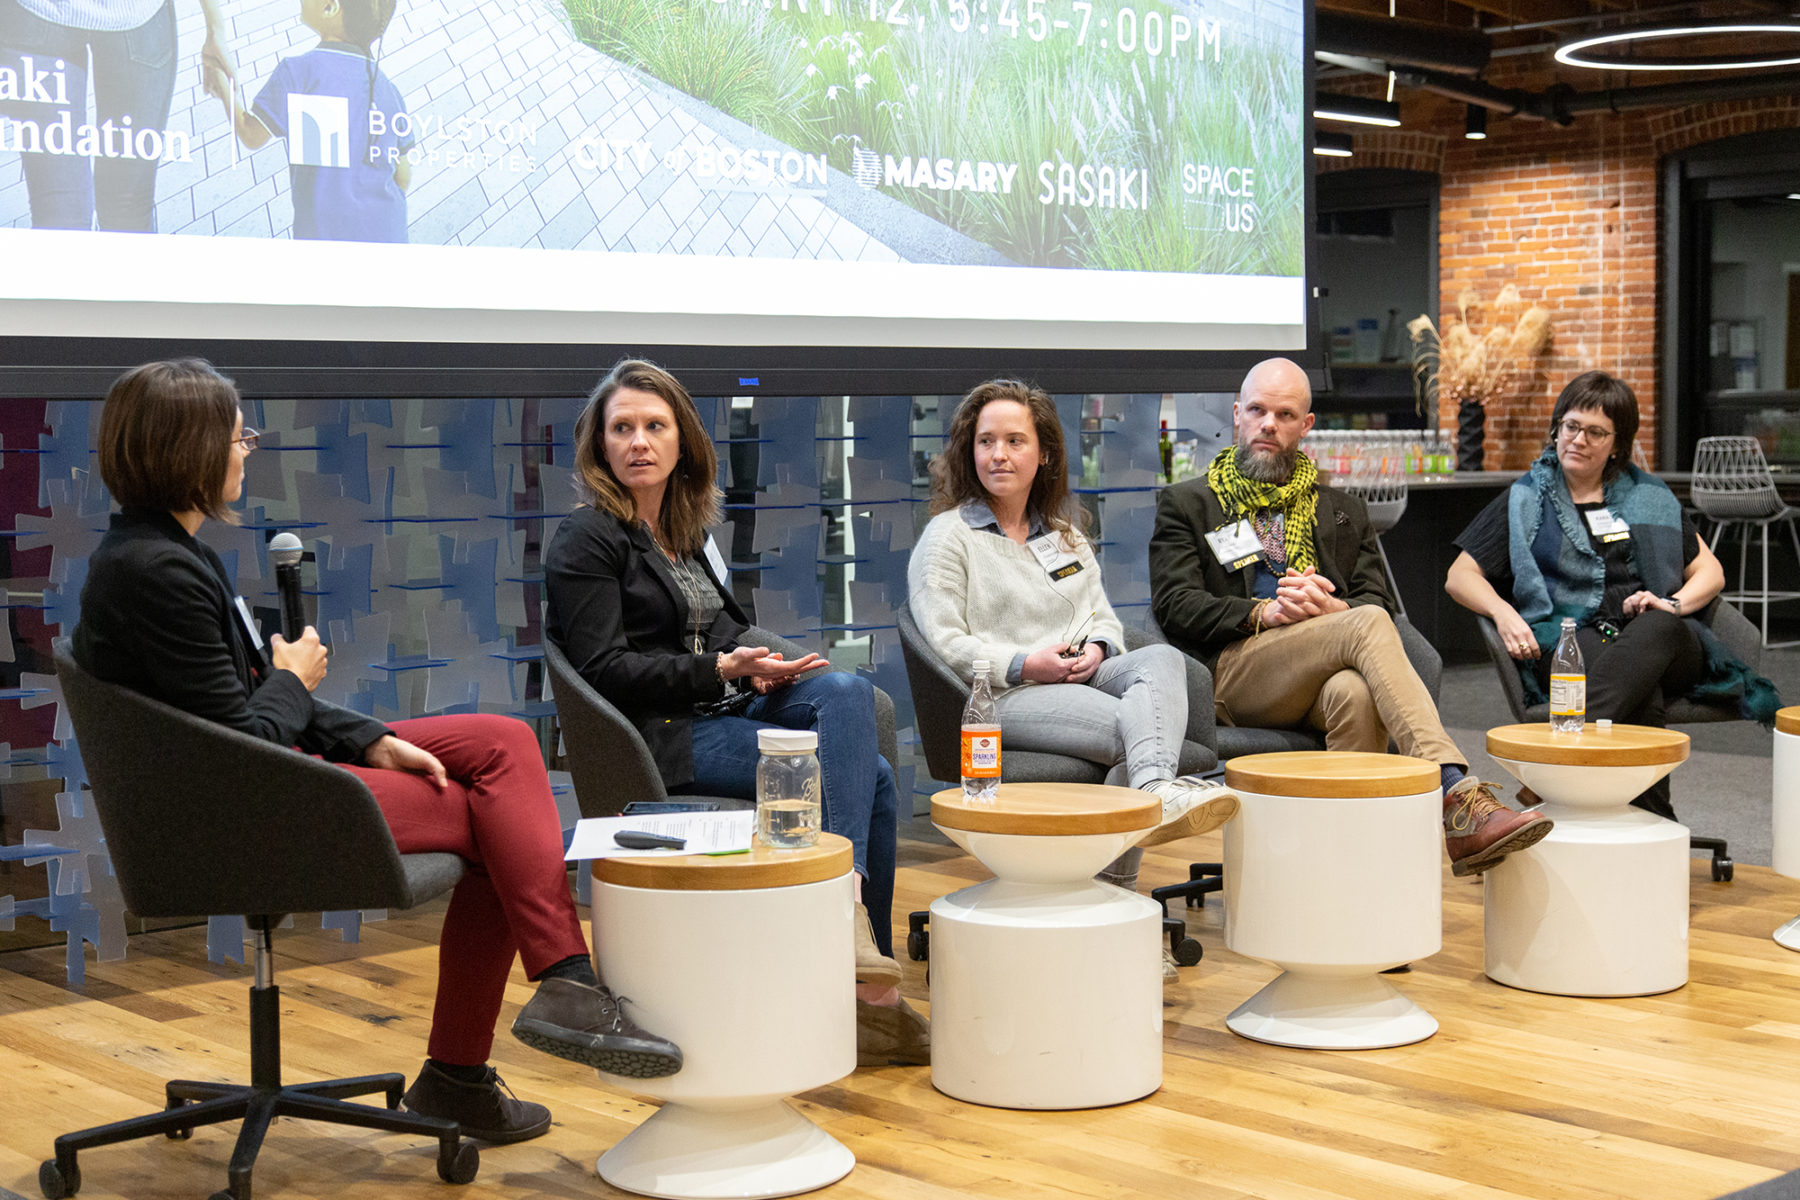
(1297, 501)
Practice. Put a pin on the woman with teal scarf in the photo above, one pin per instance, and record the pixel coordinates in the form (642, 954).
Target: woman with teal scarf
(1585, 534)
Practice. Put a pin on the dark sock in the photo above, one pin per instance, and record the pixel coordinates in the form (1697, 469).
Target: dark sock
(1449, 775)
(461, 1073)
(578, 967)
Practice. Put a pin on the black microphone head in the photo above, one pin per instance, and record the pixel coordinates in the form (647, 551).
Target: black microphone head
(285, 550)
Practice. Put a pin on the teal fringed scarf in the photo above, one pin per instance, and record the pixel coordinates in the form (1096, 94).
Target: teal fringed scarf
(1557, 573)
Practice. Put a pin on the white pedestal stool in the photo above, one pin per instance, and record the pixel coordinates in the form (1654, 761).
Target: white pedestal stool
(1333, 872)
(1786, 814)
(1046, 987)
(746, 962)
(1599, 907)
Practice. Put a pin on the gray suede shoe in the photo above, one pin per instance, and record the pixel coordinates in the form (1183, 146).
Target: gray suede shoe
(587, 1024)
(486, 1111)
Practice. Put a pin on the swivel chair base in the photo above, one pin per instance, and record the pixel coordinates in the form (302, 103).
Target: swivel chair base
(193, 1103)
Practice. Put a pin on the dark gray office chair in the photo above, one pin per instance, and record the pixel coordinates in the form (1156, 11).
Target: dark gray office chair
(1730, 626)
(201, 820)
(939, 695)
(608, 760)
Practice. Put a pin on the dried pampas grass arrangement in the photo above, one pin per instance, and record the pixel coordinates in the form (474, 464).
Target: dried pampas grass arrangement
(1483, 351)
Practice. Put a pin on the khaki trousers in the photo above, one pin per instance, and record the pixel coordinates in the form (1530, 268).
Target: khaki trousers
(1345, 673)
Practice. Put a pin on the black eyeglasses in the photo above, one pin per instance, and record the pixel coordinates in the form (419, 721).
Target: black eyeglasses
(248, 439)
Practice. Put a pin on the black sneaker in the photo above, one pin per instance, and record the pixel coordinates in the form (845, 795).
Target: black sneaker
(587, 1024)
(486, 1111)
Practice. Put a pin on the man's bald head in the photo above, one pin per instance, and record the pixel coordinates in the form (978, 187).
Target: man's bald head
(1277, 377)
(1273, 412)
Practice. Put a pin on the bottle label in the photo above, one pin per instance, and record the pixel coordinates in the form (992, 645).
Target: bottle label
(981, 752)
(1568, 695)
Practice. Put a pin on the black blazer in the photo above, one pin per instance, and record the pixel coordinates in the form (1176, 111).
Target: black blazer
(1202, 607)
(622, 622)
(158, 615)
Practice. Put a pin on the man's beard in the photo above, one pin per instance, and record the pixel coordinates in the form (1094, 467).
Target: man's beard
(1275, 466)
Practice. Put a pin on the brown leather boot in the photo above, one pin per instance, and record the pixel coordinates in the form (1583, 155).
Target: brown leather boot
(1479, 831)
(892, 1035)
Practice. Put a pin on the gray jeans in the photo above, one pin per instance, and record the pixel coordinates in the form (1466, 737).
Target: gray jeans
(1130, 717)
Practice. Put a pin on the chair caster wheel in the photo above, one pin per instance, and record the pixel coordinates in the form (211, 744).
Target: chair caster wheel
(1722, 870)
(225, 1195)
(54, 1184)
(461, 1164)
(1188, 952)
(918, 945)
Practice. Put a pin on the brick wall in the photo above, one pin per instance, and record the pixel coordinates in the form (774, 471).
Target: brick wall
(1569, 215)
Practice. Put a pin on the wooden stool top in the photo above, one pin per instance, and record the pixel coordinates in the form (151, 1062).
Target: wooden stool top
(1787, 720)
(1619, 746)
(762, 867)
(1049, 810)
(1332, 774)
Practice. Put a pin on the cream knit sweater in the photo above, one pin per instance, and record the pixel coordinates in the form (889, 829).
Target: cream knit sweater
(976, 594)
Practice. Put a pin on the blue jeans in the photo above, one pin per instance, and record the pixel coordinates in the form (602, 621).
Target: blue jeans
(134, 76)
(861, 799)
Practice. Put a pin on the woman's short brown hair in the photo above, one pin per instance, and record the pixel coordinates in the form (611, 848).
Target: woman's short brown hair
(953, 478)
(165, 437)
(691, 503)
(1596, 391)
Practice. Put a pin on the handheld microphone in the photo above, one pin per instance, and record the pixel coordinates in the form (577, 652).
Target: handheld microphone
(285, 553)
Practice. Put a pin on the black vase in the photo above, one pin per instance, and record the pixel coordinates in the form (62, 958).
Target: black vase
(1471, 432)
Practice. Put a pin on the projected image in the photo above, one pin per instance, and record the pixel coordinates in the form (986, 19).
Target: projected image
(1061, 133)
(799, 172)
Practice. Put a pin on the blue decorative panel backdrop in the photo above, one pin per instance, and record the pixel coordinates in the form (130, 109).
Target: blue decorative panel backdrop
(423, 520)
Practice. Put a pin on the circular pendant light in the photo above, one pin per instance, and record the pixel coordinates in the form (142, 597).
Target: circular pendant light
(1641, 48)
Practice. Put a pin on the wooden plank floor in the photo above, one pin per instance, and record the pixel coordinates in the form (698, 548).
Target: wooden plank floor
(1690, 1094)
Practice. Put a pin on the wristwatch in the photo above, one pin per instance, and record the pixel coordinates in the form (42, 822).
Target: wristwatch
(1675, 602)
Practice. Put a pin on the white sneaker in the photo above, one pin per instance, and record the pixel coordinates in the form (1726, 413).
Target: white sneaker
(1169, 973)
(1190, 806)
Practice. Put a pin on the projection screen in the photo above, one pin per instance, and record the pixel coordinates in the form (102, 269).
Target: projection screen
(1053, 176)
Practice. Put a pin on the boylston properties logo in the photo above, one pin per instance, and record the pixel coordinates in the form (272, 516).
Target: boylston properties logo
(318, 131)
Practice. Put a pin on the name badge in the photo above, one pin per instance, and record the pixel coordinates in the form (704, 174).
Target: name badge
(716, 561)
(1235, 546)
(1058, 561)
(1607, 526)
(249, 623)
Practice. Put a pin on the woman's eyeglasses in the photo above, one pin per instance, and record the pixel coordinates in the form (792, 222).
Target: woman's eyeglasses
(1594, 434)
(248, 439)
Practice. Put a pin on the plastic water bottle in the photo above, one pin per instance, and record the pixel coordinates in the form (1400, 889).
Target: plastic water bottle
(980, 739)
(1568, 683)
(787, 788)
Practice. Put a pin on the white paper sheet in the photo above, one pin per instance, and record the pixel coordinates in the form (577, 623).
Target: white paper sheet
(706, 833)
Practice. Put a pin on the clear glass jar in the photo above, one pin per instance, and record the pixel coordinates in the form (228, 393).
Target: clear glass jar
(787, 788)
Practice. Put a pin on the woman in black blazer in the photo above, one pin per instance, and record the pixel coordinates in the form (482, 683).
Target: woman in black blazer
(637, 605)
(158, 615)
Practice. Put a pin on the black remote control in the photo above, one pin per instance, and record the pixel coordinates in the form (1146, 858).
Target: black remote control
(637, 839)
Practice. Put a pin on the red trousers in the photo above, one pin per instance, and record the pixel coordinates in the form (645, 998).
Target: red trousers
(498, 814)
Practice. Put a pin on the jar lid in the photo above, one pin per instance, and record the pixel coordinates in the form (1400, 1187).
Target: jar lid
(787, 741)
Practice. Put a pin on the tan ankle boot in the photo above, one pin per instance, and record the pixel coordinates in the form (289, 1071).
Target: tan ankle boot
(872, 966)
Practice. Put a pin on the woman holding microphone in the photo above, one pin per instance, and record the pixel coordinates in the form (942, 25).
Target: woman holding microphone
(158, 615)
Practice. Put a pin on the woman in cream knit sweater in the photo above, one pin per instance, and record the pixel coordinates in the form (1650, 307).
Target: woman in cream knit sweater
(1002, 573)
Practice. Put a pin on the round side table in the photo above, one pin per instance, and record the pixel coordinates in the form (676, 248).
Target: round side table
(746, 962)
(1786, 812)
(1046, 989)
(1600, 906)
(1333, 872)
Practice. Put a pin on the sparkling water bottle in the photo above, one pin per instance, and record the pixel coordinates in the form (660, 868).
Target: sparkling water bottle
(1568, 683)
(787, 788)
(980, 739)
